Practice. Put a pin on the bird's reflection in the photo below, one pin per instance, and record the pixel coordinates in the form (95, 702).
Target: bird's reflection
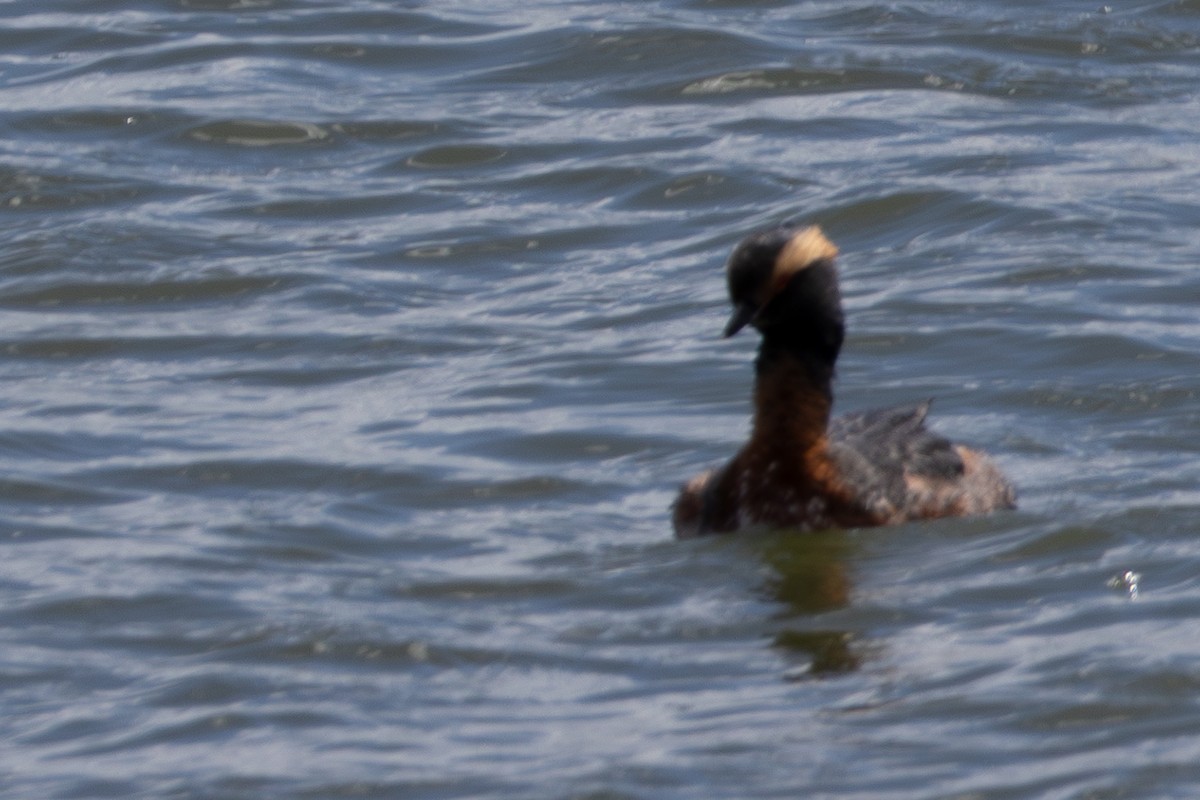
(810, 578)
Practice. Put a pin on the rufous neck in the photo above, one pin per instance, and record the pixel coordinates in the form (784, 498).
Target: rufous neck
(793, 397)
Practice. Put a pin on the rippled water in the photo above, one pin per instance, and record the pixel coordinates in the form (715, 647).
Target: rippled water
(353, 354)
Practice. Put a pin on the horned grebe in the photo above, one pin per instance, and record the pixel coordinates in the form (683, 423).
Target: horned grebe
(800, 470)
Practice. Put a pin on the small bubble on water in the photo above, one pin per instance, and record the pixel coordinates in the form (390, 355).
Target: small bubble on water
(1127, 582)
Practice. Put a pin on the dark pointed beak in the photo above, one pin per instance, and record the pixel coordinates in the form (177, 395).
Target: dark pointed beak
(742, 315)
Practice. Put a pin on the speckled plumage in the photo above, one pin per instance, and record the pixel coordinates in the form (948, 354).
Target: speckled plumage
(800, 469)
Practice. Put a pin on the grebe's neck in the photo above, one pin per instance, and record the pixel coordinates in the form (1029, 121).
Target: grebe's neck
(793, 397)
(802, 330)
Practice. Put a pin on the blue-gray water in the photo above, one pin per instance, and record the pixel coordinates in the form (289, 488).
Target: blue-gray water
(352, 354)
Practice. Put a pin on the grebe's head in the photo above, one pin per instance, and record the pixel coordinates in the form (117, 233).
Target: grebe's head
(783, 282)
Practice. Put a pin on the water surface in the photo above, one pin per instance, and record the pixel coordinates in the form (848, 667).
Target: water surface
(353, 354)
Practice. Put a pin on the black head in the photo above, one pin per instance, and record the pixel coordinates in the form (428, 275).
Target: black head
(784, 283)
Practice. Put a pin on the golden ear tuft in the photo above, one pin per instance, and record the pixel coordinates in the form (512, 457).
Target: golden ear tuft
(805, 248)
